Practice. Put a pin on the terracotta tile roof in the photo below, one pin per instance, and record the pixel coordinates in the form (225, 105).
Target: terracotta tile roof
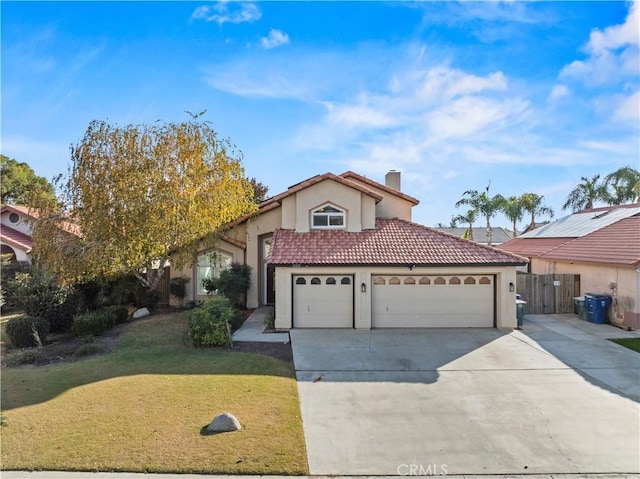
(233, 241)
(393, 242)
(532, 247)
(318, 179)
(380, 186)
(15, 238)
(618, 244)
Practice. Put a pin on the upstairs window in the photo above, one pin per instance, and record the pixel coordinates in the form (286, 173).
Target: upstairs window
(328, 217)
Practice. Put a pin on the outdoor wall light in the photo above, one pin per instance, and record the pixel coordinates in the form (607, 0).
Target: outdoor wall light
(363, 287)
(511, 288)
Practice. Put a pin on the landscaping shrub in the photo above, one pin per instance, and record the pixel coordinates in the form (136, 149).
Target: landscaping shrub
(91, 295)
(42, 297)
(21, 331)
(11, 290)
(28, 356)
(233, 283)
(88, 349)
(119, 314)
(178, 288)
(92, 324)
(150, 299)
(124, 290)
(210, 324)
(270, 318)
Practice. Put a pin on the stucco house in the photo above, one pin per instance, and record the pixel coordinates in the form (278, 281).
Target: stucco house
(498, 235)
(15, 232)
(341, 251)
(602, 245)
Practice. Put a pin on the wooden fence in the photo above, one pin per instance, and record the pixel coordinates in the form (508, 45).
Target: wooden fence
(548, 293)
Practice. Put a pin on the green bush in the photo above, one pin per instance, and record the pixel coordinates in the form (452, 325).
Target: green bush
(28, 356)
(124, 290)
(150, 299)
(119, 314)
(210, 324)
(178, 288)
(92, 324)
(91, 294)
(88, 349)
(42, 297)
(21, 331)
(233, 283)
(270, 318)
(11, 290)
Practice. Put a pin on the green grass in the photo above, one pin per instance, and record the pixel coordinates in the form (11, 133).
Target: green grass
(141, 408)
(631, 343)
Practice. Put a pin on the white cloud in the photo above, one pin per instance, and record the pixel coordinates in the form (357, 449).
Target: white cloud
(558, 91)
(228, 12)
(628, 109)
(613, 53)
(275, 39)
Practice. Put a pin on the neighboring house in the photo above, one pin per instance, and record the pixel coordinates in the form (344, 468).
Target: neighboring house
(341, 252)
(15, 232)
(602, 245)
(498, 235)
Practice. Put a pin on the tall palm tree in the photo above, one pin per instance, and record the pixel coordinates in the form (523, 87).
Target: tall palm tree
(586, 193)
(469, 218)
(532, 203)
(625, 183)
(513, 209)
(485, 205)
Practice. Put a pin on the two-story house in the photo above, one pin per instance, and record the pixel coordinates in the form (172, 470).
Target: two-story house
(341, 252)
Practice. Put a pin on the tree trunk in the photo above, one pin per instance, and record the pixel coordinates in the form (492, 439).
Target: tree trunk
(488, 232)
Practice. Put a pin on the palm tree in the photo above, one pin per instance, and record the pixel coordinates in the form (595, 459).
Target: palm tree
(483, 204)
(532, 204)
(513, 209)
(585, 193)
(469, 218)
(625, 183)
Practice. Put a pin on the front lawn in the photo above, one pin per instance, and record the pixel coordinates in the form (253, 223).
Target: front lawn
(141, 408)
(631, 343)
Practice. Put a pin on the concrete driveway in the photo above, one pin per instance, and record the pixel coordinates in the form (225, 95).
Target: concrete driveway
(555, 397)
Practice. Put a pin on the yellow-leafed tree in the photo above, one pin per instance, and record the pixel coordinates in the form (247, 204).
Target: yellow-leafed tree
(139, 195)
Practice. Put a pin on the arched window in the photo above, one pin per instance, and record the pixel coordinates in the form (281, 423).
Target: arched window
(485, 280)
(301, 281)
(469, 280)
(454, 280)
(328, 217)
(379, 280)
(345, 280)
(316, 281)
(330, 281)
(409, 281)
(210, 265)
(440, 280)
(394, 280)
(425, 280)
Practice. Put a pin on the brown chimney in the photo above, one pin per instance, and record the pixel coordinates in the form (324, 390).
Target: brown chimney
(392, 180)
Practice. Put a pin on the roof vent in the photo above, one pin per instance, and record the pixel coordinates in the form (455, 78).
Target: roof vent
(392, 180)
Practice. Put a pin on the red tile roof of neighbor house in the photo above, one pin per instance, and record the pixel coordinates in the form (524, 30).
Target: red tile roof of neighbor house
(618, 243)
(530, 247)
(15, 238)
(34, 214)
(393, 242)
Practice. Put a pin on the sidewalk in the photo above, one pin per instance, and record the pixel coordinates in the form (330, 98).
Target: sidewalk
(253, 327)
(131, 475)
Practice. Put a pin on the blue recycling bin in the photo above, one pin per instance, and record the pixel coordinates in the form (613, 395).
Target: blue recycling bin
(597, 305)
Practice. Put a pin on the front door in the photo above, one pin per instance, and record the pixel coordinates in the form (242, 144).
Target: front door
(268, 273)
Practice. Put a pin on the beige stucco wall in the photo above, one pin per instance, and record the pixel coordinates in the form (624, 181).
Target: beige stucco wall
(328, 191)
(505, 301)
(391, 206)
(368, 213)
(597, 278)
(24, 224)
(257, 228)
(21, 255)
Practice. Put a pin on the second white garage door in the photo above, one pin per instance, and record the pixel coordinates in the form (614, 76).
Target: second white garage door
(433, 301)
(323, 301)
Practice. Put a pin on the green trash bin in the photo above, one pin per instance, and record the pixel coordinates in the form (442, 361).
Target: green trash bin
(581, 307)
(520, 311)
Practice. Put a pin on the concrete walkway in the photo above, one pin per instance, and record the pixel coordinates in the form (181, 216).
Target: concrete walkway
(253, 329)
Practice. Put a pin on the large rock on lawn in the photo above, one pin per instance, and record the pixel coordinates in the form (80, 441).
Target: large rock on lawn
(141, 313)
(224, 422)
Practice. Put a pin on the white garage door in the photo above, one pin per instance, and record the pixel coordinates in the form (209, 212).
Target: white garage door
(323, 301)
(433, 301)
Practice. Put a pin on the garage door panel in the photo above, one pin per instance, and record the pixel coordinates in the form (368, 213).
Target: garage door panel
(438, 301)
(322, 301)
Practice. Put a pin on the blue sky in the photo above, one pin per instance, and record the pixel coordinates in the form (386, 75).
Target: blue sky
(527, 95)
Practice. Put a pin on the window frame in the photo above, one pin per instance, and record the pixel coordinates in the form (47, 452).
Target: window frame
(215, 262)
(339, 213)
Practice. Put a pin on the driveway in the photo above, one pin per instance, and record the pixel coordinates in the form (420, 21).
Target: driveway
(555, 397)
